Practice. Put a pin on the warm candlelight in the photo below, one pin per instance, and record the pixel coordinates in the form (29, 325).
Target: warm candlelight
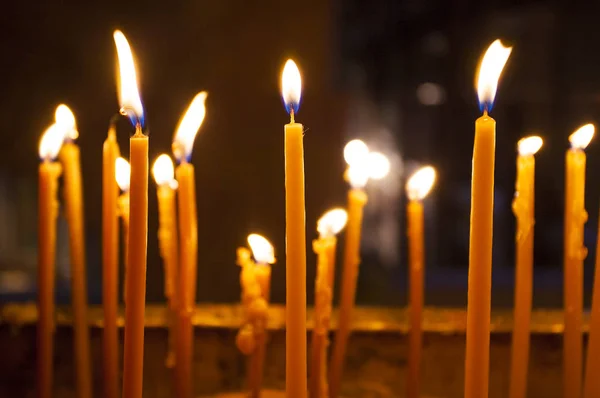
(168, 243)
(295, 234)
(49, 171)
(135, 279)
(482, 210)
(123, 176)
(328, 226)
(523, 208)
(417, 188)
(591, 387)
(188, 233)
(574, 254)
(73, 196)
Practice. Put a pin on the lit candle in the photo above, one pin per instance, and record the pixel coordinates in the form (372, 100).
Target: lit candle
(123, 176)
(69, 157)
(49, 171)
(482, 209)
(574, 254)
(167, 240)
(591, 387)
(417, 188)
(188, 233)
(328, 226)
(295, 235)
(135, 279)
(362, 165)
(523, 208)
(110, 268)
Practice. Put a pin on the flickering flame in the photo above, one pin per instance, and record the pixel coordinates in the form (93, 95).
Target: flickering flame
(378, 164)
(122, 174)
(164, 172)
(489, 73)
(332, 222)
(358, 174)
(529, 146)
(129, 96)
(261, 249)
(291, 86)
(183, 142)
(64, 118)
(51, 142)
(582, 137)
(420, 183)
(355, 151)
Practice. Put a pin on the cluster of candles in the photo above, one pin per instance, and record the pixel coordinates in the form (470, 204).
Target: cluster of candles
(125, 196)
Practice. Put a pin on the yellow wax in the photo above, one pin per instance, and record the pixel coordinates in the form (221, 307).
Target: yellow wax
(523, 208)
(295, 233)
(69, 157)
(574, 253)
(169, 251)
(324, 247)
(591, 387)
(47, 213)
(356, 202)
(262, 273)
(416, 271)
(135, 279)
(123, 204)
(188, 235)
(480, 259)
(110, 273)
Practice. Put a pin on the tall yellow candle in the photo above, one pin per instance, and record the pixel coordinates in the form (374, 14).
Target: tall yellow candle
(591, 387)
(135, 279)
(188, 240)
(49, 172)
(295, 235)
(73, 196)
(417, 188)
(123, 177)
(482, 211)
(523, 208)
(328, 226)
(110, 273)
(574, 254)
(168, 243)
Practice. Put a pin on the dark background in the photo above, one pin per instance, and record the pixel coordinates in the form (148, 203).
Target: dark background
(398, 74)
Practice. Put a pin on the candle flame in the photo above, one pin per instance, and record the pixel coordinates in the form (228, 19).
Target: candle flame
(122, 173)
(420, 183)
(51, 142)
(66, 120)
(191, 121)
(164, 172)
(529, 146)
(129, 96)
(291, 86)
(378, 164)
(332, 222)
(489, 72)
(261, 249)
(357, 174)
(355, 151)
(581, 138)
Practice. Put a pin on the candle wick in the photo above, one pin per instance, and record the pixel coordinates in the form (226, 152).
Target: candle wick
(291, 115)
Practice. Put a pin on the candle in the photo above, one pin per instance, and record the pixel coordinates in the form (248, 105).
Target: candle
(110, 278)
(523, 208)
(482, 209)
(591, 387)
(574, 253)
(135, 279)
(123, 176)
(163, 172)
(417, 188)
(255, 279)
(188, 233)
(328, 226)
(69, 157)
(49, 171)
(295, 235)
